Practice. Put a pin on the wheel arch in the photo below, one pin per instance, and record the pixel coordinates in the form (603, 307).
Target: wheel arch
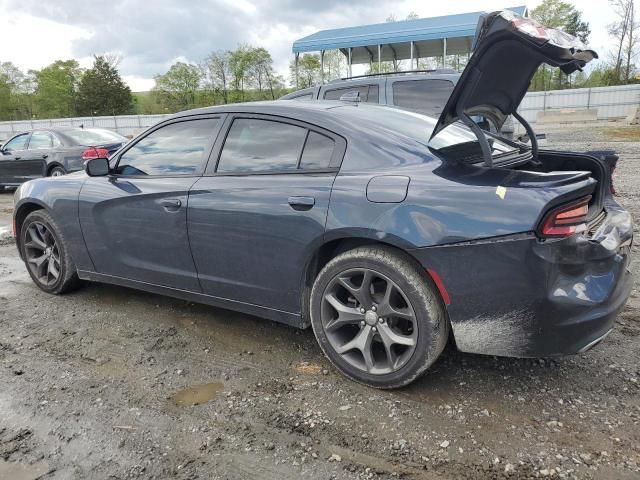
(53, 165)
(324, 253)
(22, 210)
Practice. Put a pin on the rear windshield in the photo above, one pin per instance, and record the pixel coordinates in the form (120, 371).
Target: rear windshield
(94, 136)
(456, 141)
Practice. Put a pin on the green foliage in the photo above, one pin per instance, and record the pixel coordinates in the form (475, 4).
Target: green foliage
(102, 91)
(566, 17)
(308, 71)
(57, 91)
(178, 88)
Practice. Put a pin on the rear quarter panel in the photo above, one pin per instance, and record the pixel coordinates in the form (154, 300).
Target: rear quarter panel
(444, 204)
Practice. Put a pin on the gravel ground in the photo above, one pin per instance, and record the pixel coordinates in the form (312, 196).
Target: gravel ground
(113, 383)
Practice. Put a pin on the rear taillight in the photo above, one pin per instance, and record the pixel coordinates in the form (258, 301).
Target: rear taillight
(92, 152)
(567, 219)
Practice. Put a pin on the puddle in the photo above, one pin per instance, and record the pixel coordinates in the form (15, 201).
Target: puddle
(20, 471)
(197, 395)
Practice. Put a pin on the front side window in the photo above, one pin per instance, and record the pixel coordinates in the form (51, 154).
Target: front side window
(16, 143)
(255, 145)
(368, 93)
(422, 96)
(40, 140)
(175, 149)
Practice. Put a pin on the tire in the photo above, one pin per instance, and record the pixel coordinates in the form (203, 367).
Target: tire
(414, 316)
(57, 171)
(39, 230)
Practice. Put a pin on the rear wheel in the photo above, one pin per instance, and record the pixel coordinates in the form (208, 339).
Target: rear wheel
(46, 255)
(57, 171)
(377, 317)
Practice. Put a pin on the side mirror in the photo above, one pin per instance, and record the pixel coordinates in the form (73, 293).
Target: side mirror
(97, 167)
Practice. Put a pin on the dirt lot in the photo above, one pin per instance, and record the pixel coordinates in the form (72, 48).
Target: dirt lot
(102, 384)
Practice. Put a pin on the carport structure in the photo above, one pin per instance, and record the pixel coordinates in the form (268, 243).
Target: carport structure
(403, 40)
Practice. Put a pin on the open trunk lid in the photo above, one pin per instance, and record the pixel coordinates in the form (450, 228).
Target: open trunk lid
(508, 50)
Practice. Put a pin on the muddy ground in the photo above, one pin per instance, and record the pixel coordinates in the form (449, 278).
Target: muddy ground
(102, 384)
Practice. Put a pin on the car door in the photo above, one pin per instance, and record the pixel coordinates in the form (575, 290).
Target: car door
(254, 219)
(134, 220)
(12, 168)
(38, 151)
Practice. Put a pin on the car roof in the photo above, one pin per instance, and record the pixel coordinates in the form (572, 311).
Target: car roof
(346, 116)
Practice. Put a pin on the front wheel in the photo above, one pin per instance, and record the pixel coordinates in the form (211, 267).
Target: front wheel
(46, 255)
(377, 317)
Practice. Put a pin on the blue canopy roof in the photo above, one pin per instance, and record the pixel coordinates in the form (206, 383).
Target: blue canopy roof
(424, 30)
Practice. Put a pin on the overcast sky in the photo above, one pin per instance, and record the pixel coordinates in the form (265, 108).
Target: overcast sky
(150, 35)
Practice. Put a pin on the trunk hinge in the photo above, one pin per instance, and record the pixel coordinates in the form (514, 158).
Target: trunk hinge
(475, 128)
(482, 138)
(530, 133)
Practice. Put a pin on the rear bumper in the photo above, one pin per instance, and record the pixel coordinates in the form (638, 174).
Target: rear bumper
(522, 297)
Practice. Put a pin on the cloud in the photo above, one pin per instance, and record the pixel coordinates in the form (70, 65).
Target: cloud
(151, 35)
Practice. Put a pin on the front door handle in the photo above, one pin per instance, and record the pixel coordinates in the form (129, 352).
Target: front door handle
(171, 204)
(301, 203)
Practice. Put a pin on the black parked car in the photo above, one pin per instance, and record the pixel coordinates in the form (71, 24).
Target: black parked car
(382, 229)
(53, 152)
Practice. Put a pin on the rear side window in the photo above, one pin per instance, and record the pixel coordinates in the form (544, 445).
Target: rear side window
(422, 96)
(256, 145)
(368, 93)
(40, 140)
(317, 151)
(175, 149)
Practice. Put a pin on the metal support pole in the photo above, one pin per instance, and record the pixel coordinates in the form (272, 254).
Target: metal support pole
(412, 56)
(379, 58)
(444, 51)
(297, 55)
(322, 66)
(350, 62)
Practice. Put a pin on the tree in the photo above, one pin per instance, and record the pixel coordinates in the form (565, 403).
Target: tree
(335, 64)
(177, 89)
(625, 33)
(102, 91)
(308, 70)
(57, 88)
(240, 63)
(216, 74)
(562, 15)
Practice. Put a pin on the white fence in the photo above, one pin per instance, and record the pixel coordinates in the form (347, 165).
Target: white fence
(124, 124)
(610, 102)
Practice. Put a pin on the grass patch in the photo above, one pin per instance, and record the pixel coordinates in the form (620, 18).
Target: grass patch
(624, 134)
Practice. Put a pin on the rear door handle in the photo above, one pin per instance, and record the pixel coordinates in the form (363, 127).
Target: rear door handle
(44, 156)
(301, 203)
(171, 204)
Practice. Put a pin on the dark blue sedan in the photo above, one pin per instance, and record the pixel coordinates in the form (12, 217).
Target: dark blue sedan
(386, 231)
